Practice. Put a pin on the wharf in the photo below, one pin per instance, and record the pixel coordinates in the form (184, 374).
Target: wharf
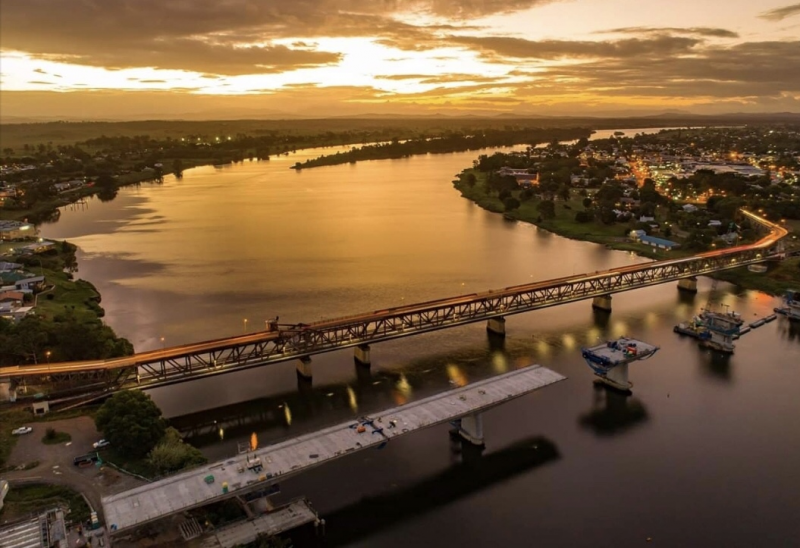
(263, 467)
(288, 517)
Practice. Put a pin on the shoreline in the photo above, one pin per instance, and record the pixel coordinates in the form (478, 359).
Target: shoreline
(785, 275)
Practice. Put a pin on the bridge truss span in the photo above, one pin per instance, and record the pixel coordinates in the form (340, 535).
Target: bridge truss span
(191, 361)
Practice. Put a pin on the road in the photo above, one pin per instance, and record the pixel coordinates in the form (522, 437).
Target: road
(56, 466)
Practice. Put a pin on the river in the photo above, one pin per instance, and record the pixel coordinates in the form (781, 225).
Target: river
(704, 453)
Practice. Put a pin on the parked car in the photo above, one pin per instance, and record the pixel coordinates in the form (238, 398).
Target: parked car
(100, 444)
(22, 430)
(85, 460)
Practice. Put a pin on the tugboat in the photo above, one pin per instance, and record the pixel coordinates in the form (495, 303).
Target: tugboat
(610, 361)
(693, 328)
(792, 308)
(722, 329)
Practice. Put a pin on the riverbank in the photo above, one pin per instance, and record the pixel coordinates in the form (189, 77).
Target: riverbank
(779, 277)
(66, 320)
(475, 140)
(48, 209)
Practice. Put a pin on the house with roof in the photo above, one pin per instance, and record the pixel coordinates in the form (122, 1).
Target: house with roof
(659, 243)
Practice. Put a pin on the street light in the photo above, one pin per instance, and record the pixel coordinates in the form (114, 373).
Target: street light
(162, 343)
(48, 356)
(245, 325)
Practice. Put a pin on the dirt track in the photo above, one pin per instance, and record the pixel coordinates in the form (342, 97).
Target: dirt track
(56, 462)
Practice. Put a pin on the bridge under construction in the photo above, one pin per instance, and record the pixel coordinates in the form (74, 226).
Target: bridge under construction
(300, 341)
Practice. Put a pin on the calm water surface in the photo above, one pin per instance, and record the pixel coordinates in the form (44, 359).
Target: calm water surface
(704, 453)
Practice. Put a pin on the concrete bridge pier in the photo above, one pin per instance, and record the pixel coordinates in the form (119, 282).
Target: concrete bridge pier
(471, 428)
(497, 326)
(689, 285)
(7, 390)
(361, 355)
(602, 302)
(617, 377)
(304, 368)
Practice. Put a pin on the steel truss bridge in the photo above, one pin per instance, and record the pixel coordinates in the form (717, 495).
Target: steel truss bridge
(300, 341)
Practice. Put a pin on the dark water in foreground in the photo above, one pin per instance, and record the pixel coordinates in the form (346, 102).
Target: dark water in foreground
(704, 453)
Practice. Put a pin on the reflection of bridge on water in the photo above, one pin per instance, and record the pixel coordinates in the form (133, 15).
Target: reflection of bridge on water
(473, 474)
(613, 411)
(300, 341)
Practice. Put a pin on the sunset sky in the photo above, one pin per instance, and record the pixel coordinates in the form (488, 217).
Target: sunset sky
(134, 58)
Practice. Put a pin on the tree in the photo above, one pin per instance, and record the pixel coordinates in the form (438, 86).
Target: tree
(587, 202)
(547, 209)
(177, 167)
(172, 454)
(511, 203)
(132, 422)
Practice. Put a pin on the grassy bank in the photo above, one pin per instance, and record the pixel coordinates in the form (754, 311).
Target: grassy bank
(23, 500)
(563, 224)
(779, 277)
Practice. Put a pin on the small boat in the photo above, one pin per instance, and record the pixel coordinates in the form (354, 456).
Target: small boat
(757, 323)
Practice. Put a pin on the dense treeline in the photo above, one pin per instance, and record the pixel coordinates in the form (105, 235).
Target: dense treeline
(68, 337)
(66, 325)
(449, 142)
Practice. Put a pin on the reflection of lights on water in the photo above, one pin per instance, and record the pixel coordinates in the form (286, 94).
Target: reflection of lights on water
(403, 386)
(592, 335)
(568, 340)
(619, 329)
(543, 348)
(351, 399)
(221, 433)
(651, 319)
(456, 375)
(287, 414)
(499, 362)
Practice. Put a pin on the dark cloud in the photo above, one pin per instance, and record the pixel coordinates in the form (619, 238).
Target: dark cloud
(779, 14)
(560, 49)
(694, 31)
(153, 81)
(208, 35)
(41, 82)
(744, 70)
(40, 71)
(466, 9)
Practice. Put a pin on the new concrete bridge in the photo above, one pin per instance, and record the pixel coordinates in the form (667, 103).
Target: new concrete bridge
(301, 341)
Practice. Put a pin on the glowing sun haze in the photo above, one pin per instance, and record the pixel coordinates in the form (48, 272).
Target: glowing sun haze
(130, 58)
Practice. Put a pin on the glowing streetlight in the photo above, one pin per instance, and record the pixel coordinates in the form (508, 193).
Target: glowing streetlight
(48, 356)
(162, 343)
(245, 325)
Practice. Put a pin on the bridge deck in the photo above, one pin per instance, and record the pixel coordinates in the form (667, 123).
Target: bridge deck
(190, 490)
(291, 516)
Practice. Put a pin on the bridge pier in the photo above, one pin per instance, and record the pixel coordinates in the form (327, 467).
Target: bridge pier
(304, 368)
(602, 302)
(7, 390)
(617, 377)
(689, 285)
(497, 326)
(361, 355)
(470, 428)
